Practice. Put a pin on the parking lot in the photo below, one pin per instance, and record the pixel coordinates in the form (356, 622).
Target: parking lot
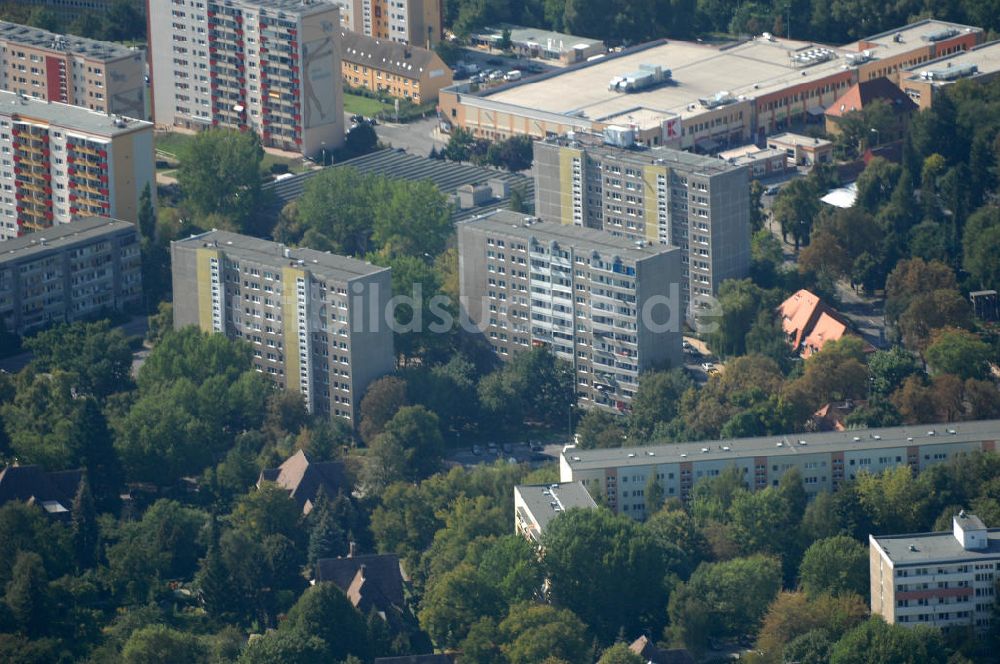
(535, 454)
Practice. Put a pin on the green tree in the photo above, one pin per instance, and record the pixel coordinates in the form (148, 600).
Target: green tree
(741, 301)
(794, 208)
(195, 355)
(419, 432)
(383, 399)
(610, 591)
(97, 354)
(28, 595)
(325, 612)
(459, 146)
(146, 217)
(360, 140)
(956, 351)
(326, 538)
(287, 647)
(813, 647)
(683, 544)
(888, 369)
(931, 311)
(219, 174)
(511, 565)
(42, 17)
(534, 632)
(454, 602)
(793, 614)
(981, 236)
(876, 183)
(893, 499)
(599, 429)
(269, 510)
(620, 654)
(873, 641)
(123, 21)
(723, 600)
(427, 214)
(837, 565)
(86, 538)
(159, 644)
(482, 645)
(41, 418)
(96, 453)
(656, 400)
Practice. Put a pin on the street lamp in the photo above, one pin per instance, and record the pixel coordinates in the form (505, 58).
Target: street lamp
(323, 145)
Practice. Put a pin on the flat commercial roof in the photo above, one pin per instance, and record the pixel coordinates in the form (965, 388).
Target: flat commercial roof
(698, 71)
(799, 140)
(59, 237)
(542, 500)
(986, 57)
(266, 252)
(68, 116)
(886, 45)
(548, 39)
(517, 224)
(930, 548)
(91, 48)
(790, 444)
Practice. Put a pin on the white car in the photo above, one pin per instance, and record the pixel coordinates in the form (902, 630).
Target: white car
(708, 367)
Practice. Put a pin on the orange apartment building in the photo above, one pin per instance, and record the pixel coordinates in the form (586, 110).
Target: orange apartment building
(60, 163)
(396, 69)
(416, 22)
(100, 76)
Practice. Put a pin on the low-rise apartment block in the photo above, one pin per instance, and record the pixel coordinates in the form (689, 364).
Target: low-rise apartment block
(316, 321)
(101, 76)
(657, 195)
(68, 273)
(270, 66)
(536, 505)
(945, 580)
(416, 22)
(825, 460)
(393, 68)
(537, 43)
(608, 306)
(62, 162)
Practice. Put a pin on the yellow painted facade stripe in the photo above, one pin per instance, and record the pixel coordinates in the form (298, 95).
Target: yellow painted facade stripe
(290, 319)
(649, 174)
(203, 259)
(566, 156)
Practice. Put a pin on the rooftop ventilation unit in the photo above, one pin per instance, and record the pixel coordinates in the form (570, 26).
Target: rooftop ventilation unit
(949, 73)
(940, 35)
(720, 98)
(646, 77)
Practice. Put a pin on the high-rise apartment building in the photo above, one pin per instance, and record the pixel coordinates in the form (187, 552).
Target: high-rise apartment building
(61, 162)
(416, 22)
(271, 66)
(316, 321)
(945, 580)
(69, 272)
(607, 305)
(824, 460)
(698, 204)
(98, 75)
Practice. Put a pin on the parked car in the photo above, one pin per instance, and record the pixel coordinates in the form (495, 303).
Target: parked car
(496, 75)
(772, 190)
(477, 450)
(512, 75)
(536, 446)
(708, 367)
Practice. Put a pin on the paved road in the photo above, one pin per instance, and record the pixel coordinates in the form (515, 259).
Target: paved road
(866, 313)
(414, 137)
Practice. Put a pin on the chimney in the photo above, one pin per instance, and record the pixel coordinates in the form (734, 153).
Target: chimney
(362, 570)
(352, 550)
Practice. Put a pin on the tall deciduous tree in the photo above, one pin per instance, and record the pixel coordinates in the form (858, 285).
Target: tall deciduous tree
(534, 632)
(959, 352)
(28, 594)
(837, 566)
(219, 173)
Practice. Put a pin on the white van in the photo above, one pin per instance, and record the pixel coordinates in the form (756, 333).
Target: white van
(513, 75)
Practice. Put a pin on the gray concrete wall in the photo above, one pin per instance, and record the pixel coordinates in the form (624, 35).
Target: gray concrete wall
(184, 277)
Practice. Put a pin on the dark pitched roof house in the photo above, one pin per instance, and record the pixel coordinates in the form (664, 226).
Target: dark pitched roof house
(370, 581)
(53, 492)
(303, 478)
(646, 649)
(416, 659)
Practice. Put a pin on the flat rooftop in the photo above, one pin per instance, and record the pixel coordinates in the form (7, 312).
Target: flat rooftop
(640, 154)
(799, 140)
(748, 69)
(790, 444)
(893, 42)
(266, 252)
(547, 501)
(526, 227)
(59, 237)
(90, 48)
(548, 39)
(931, 548)
(68, 116)
(986, 57)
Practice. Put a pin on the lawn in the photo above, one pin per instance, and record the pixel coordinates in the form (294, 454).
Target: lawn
(358, 105)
